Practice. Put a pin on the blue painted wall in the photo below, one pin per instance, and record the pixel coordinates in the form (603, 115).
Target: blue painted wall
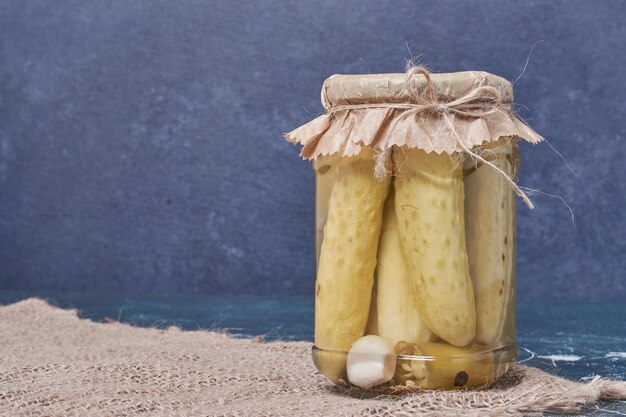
(141, 150)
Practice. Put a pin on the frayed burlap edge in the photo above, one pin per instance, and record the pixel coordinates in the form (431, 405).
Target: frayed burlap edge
(54, 364)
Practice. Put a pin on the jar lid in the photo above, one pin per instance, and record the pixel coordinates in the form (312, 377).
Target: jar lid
(342, 89)
(439, 113)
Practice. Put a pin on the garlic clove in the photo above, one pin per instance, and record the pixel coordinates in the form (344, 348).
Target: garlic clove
(371, 362)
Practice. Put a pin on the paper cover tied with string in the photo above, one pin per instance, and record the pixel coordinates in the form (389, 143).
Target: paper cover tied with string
(415, 216)
(383, 110)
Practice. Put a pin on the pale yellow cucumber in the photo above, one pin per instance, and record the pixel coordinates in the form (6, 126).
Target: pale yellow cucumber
(446, 366)
(490, 206)
(431, 226)
(397, 315)
(345, 273)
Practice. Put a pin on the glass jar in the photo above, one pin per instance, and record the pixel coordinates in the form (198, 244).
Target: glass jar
(415, 285)
(431, 269)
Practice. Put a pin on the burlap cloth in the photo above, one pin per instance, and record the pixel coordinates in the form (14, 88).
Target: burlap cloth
(54, 364)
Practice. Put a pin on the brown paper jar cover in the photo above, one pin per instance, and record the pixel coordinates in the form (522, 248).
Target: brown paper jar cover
(348, 130)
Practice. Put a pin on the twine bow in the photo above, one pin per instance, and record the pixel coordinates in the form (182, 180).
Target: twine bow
(479, 102)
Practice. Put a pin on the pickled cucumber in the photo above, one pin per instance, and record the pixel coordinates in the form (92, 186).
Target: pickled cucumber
(397, 316)
(345, 273)
(490, 228)
(431, 226)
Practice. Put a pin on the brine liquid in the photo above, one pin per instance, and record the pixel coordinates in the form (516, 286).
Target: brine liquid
(496, 297)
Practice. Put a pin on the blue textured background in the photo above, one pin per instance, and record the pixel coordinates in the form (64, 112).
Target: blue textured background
(141, 150)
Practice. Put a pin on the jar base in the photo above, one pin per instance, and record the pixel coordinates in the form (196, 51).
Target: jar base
(426, 366)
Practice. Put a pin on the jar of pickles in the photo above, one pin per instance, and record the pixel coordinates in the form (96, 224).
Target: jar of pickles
(415, 229)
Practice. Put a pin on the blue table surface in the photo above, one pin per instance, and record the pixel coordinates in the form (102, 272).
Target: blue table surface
(571, 339)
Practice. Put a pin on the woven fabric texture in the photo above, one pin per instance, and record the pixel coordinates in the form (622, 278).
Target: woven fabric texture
(54, 364)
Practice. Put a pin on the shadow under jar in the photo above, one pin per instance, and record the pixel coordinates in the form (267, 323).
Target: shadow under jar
(415, 230)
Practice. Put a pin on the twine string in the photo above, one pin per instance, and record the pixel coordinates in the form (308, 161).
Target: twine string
(479, 102)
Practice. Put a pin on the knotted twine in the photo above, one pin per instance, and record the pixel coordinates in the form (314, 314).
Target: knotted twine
(479, 102)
